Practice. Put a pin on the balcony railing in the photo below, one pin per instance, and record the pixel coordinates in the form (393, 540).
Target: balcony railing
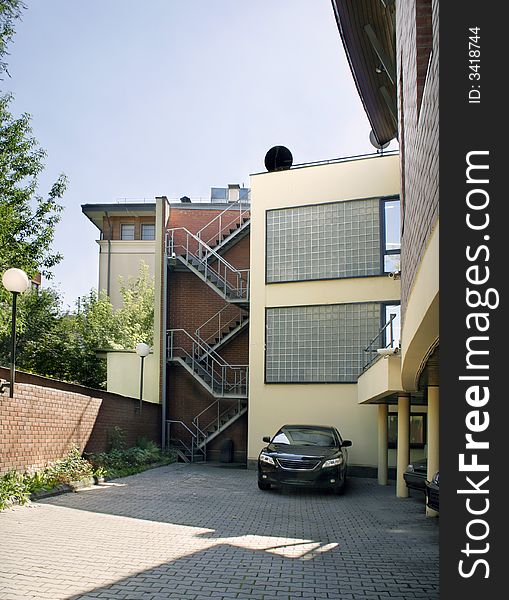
(383, 339)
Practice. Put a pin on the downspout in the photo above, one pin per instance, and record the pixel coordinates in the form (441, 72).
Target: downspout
(109, 254)
(164, 323)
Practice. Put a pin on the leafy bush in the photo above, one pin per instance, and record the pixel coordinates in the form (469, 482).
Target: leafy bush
(71, 468)
(13, 490)
(120, 463)
(116, 438)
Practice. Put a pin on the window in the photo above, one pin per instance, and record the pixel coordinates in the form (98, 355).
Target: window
(323, 241)
(418, 424)
(148, 231)
(392, 235)
(318, 344)
(393, 309)
(127, 231)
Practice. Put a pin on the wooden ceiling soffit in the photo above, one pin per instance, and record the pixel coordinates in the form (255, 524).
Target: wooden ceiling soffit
(367, 31)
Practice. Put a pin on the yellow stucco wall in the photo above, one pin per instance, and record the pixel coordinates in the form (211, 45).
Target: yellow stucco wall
(124, 370)
(420, 329)
(125, 261)
(273, 405)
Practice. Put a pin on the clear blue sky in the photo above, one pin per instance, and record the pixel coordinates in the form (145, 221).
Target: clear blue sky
(171, 97)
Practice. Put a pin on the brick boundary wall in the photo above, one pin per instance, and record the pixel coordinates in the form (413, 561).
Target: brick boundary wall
(419, 131)
(46, 417)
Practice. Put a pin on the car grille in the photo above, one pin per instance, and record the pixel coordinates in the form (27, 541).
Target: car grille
(299, 465)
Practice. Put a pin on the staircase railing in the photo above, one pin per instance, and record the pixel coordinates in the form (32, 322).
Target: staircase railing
(193, 447)
(220, 376)
(231, 281)
(223, 222)
(220, 323)
(218, 409)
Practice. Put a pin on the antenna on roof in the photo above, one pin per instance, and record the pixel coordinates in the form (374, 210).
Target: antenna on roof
(374, 142)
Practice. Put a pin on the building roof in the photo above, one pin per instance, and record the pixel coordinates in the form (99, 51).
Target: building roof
(368, 33)
(96, 212)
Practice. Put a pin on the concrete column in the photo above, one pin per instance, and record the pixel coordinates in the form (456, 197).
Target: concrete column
(382, 444)
(433, 435)
(403, 452)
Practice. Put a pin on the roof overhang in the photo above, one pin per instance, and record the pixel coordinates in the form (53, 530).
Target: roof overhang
(367, 29)
(96, 212)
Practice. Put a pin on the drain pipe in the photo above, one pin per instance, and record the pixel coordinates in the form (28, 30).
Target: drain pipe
(164, 349)
(109, 254)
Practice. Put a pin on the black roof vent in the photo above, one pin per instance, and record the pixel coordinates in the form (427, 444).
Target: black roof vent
(278, 158)
(185, 199)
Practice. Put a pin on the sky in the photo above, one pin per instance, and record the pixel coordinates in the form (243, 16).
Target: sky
(172, 97)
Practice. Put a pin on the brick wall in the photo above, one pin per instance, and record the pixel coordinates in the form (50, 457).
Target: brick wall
(418, 131)
(46, 417)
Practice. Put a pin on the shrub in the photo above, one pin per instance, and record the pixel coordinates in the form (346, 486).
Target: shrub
(13, 490)
(116, 438)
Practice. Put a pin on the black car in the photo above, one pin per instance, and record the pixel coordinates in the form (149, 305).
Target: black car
(415, 475)
(433, 492)
(304, 455)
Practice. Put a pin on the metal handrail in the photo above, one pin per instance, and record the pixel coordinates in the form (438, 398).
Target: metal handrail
(224, 377)
(219, 219)
(194, 437)
(222, 323)
(216, 421)
(240, 287)
(370, 347)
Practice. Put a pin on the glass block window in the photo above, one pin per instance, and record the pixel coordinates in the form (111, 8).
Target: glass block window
(323, 241)
(319, 344)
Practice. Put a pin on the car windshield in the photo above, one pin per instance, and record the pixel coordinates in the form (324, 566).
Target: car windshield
(303, 436)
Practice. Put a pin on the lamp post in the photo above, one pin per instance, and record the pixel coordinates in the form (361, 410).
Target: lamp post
(142, 350)
(15, 281)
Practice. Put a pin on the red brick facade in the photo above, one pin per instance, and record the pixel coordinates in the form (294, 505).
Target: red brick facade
(190, 304)
(46, 417)
(417, 60)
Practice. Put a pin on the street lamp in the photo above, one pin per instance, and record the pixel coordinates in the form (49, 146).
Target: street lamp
(15, 281)
(142, 350)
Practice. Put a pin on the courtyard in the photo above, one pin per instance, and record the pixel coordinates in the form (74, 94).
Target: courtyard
(194, 532)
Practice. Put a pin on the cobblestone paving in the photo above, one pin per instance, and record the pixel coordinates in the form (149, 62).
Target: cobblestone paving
(194, 532)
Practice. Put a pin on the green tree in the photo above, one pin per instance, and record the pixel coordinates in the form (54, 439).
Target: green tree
(27, 219)
(135, 319)
(10, 10)
(64, 344)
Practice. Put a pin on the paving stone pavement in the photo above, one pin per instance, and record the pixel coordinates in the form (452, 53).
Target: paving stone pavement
(195, 532)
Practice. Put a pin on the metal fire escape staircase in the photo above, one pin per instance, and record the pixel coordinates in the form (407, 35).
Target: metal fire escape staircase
(197, 353)
(227, 383)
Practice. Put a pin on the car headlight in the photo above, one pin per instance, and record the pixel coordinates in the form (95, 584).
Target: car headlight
(436, 478)
(333, 462)
(267, 459)
(410, 468)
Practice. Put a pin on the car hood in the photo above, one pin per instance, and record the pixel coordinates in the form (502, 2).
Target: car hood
(286, 450)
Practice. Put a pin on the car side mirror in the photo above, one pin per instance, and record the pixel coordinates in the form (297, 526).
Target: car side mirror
(346, 443)
(266, 438)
